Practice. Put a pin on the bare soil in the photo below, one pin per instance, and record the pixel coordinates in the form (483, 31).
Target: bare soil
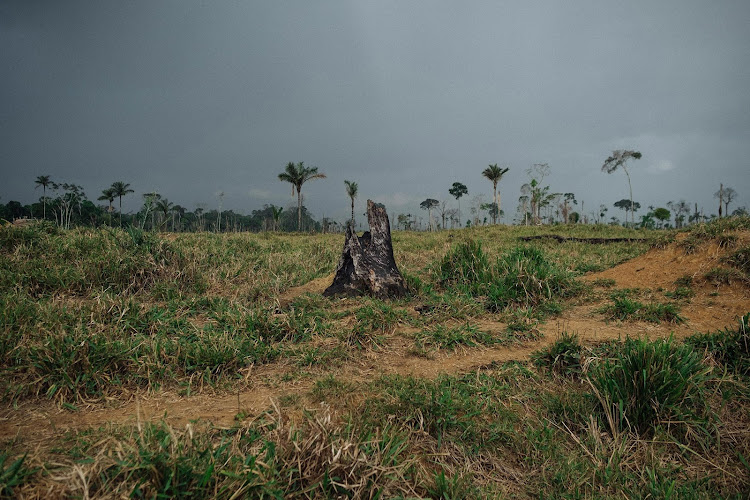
(712, 308)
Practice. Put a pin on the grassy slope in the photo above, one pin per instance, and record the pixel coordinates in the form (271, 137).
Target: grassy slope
(93, 314)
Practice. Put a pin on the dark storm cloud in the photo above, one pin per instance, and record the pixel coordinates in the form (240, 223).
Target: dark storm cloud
(193, 98)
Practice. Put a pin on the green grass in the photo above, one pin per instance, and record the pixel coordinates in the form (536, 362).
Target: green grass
(729, 347)
(449, 338)
(624, 308)
(90, 316)
(562, 357)
(654, 384)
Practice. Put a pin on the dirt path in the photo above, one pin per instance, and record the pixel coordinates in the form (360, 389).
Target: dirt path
(710, 309)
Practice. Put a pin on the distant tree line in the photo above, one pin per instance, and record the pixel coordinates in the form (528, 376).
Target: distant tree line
(67, 205)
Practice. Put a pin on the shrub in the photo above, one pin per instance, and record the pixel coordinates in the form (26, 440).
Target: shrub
(648, 384)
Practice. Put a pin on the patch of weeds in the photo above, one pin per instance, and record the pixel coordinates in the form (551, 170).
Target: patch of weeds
(289, 400)
(684, 281)
(563, 357)
(378, 316)
(588, 267)
(663, 240)
(443, 337)
(316, 355)
(729, 347)
(416, 285)
(527, 278)
(625, 309)
(468, 410)
(740, 259)
(604, 282)
(727, 240)
(522, 277)
(456, 487)
(466, 268)
(522, 320)
(330, 388)
(724, 276)
(450, 306)
(651, 384)
(690, 244)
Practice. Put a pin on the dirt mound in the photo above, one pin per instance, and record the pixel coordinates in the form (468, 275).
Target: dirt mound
(662, 267)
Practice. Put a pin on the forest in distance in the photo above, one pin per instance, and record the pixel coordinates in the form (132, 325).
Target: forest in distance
(67, 205)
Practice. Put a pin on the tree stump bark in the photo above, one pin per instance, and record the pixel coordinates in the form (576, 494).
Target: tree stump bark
(367, 266)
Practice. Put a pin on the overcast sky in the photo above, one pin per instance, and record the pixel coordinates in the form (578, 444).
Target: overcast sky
(191, 98)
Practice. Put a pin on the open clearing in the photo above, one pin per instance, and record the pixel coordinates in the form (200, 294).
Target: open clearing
(341, 358)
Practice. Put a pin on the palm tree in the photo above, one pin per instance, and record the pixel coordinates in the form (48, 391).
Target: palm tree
(43, 180)
(351, 190)
(164, 206)
(121, 189)
(618, 159)
(297, 175)
(109, 196)
(495, 173)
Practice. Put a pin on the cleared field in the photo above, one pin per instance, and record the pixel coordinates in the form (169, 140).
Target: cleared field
(139, 364)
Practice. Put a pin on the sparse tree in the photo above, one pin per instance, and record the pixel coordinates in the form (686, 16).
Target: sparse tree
(628, 206)
(276, 214)
(494, 174)
(681, 209)
(428, 205)
(457, 191)
(44, 181)
(149, 208)
(662, 215)
(565, 206)
(108, 195)
(164, 206)
(297, 175)
(121, 189)
(726, 196)
(351, 191)
(619, 159)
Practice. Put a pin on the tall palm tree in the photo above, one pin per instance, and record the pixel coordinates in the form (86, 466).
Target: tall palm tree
(618, 159)
(109, 196)
(297, 175)
(495, 173)
(43, 180)
(351, 190)
(164, 206)
(121, 189)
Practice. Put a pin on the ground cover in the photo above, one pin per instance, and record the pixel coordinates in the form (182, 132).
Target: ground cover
(140, 364)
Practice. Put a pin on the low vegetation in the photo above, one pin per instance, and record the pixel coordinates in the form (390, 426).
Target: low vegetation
(93, 317)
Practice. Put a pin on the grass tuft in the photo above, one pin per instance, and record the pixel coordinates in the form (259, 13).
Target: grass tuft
(654, 384)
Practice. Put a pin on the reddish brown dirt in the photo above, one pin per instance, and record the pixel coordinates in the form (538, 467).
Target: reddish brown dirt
(710, 309)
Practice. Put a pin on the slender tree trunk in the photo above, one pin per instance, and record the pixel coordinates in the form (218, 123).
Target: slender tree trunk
(632, 212)
(299, 209)
(120, 211)
(497, 207)
(721, 197)
(352, 211)
(44, 202)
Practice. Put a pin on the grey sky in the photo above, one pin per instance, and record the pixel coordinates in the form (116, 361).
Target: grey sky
(191, 98)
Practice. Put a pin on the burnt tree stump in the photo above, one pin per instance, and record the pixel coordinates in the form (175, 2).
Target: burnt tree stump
(367, 266)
